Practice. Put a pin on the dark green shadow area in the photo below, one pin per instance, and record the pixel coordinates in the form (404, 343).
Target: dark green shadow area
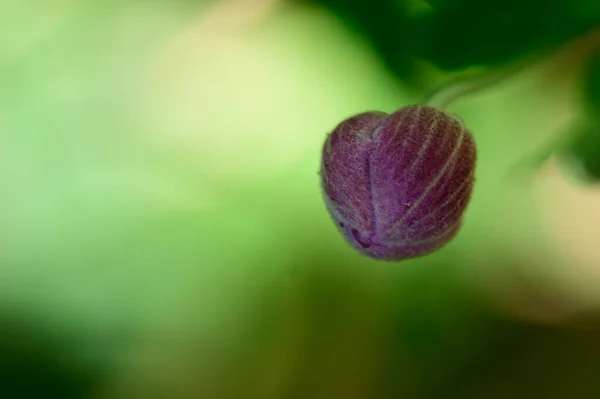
(458, 34)
(34, 364)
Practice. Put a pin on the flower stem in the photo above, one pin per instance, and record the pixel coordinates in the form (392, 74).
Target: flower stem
(446, 95)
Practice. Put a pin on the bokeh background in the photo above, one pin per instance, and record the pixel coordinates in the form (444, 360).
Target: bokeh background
(163, 232)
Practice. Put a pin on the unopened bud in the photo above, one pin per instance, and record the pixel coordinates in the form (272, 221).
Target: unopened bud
(397, 185)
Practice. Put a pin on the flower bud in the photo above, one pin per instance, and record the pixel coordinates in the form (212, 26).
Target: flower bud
(397, 185)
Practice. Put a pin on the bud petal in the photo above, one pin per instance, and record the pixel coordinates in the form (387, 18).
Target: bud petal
(397, 185)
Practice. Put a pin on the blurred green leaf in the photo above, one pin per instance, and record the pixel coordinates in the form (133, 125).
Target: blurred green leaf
(584, 152)
(591, 90)
(474, 33)
(457, 34)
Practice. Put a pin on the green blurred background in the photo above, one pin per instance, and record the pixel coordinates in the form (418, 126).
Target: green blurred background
(164, 234)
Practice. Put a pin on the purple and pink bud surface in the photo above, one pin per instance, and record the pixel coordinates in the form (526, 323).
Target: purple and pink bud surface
(397, 185)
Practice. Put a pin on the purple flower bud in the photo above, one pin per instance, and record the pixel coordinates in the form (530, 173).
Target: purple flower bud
(397, 185)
